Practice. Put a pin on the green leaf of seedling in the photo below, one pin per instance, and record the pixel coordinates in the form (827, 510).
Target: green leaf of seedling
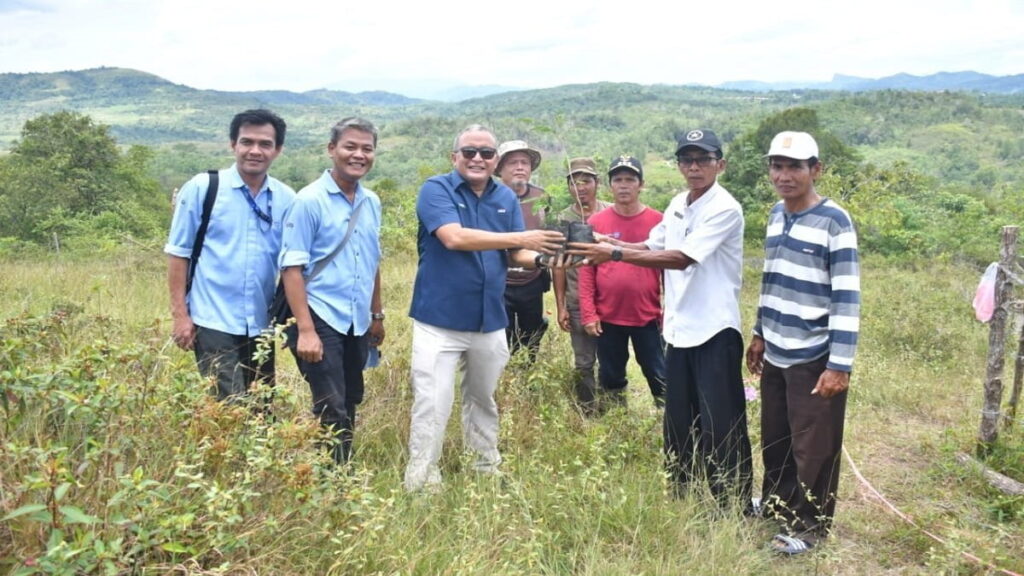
(26, 509)
(74, 515)
(61, 490)
(175, 548)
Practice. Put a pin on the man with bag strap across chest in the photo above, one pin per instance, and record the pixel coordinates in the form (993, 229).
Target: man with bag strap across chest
(225, 311)
(338, 314)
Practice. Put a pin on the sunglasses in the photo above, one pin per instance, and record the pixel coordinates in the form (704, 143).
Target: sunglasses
(469, 152)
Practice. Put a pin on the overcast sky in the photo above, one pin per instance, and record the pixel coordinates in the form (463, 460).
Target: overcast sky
(390, 44)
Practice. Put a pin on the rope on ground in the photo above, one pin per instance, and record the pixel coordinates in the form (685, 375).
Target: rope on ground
(910, 520)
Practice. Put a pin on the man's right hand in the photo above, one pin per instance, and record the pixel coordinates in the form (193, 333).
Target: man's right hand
(755, 355)
(563, 319)
(546, 241)
(184, 332)
(309, 347)
(593, 329)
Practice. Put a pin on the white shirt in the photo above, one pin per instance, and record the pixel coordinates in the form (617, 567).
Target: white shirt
(703, 299)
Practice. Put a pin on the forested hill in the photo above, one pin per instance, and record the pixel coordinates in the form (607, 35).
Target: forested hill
(144, 108)
(103, 84)
(941, 81)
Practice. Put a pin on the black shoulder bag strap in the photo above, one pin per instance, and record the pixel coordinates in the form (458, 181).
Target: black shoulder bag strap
(204, 223)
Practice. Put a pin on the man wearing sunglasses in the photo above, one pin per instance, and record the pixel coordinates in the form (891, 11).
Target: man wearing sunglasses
(470, 232)
(699, 244)
(524, 288)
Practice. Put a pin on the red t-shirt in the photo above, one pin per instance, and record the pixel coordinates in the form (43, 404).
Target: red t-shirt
(618, 292)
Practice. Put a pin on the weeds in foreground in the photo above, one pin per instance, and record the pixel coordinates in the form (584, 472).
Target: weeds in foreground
(113, 460)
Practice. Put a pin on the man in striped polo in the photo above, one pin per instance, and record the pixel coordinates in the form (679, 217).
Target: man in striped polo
(804, 342)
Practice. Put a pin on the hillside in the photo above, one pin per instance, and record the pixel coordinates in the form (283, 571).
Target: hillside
(142, 108)
(916, 158)
(942, 81)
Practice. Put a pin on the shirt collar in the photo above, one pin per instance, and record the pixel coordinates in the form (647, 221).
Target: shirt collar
(236, 179)
(332, 187)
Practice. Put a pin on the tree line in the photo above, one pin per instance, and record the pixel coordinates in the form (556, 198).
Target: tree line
(66, 180)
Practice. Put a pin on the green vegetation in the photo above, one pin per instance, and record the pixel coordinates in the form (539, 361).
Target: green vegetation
(114, 460)
(925, 174)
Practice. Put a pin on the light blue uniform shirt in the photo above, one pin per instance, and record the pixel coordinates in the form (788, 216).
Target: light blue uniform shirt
(234, 281)
(314, 226)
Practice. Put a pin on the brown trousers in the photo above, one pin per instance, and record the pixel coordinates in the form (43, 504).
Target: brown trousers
(801, 439)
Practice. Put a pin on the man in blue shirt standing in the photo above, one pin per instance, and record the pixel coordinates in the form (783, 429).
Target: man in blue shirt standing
(338, 314)
(470, 233)
(226, 308)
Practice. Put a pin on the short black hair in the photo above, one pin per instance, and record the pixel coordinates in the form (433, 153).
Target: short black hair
(355, 123)
(259, 117)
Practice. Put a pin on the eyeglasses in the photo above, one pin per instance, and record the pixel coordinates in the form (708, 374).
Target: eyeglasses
(469, 152)
(702, 161)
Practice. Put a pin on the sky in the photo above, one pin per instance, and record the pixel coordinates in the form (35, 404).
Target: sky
(407, 45)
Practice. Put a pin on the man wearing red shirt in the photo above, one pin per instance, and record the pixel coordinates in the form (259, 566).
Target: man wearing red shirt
(621, 302)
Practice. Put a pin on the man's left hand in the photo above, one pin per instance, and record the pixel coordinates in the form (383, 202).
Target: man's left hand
(832, 382)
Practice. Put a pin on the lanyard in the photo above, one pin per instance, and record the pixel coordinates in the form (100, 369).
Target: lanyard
(265, 216)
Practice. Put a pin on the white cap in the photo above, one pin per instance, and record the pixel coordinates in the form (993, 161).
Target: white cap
(795, 145)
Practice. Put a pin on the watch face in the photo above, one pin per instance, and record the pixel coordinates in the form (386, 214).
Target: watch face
(617, 255)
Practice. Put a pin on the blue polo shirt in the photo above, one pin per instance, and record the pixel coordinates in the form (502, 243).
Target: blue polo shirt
(457, 289)
(235, 278)
(315, 225)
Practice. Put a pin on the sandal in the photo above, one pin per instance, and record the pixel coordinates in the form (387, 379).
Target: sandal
(789, 546)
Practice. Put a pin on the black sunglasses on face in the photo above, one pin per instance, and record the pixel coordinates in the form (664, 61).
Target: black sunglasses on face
(468, 152)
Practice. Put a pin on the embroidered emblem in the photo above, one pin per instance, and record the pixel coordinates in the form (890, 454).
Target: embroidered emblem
(694, 135)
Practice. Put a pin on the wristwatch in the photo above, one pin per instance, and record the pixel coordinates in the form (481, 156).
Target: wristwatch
(617, 255)
(377, 315)
(541, 261)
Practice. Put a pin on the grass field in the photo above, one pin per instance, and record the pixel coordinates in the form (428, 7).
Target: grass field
(113, 460)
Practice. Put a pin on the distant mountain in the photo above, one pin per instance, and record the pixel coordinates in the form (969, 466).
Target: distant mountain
(84, 86)
(427, 89)
(943, 81)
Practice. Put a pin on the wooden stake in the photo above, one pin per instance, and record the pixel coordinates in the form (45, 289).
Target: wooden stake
(989, 429)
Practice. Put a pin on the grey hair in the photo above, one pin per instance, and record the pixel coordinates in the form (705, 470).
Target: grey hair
(472, 128)
(356, 123)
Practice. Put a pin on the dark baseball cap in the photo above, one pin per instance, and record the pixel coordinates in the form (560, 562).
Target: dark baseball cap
(627, 162)
(703, 139)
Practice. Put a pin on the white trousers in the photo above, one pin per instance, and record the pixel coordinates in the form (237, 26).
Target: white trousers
(436, 355)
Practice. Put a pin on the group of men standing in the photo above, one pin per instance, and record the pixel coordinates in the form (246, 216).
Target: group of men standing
(485, 260)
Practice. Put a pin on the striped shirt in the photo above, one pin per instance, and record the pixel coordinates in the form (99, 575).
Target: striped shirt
(810, 290)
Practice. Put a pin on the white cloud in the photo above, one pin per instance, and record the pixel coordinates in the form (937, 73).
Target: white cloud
(303, 44)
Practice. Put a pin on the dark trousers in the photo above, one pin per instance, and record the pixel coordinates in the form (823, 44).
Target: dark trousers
(229, 359)
(613, 355)
(802, 437)
(336, 382)
(526, 322)
(705, 424)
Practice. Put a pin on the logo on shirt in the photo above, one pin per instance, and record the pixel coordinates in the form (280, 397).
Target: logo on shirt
(501, 210)
(677, 214)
